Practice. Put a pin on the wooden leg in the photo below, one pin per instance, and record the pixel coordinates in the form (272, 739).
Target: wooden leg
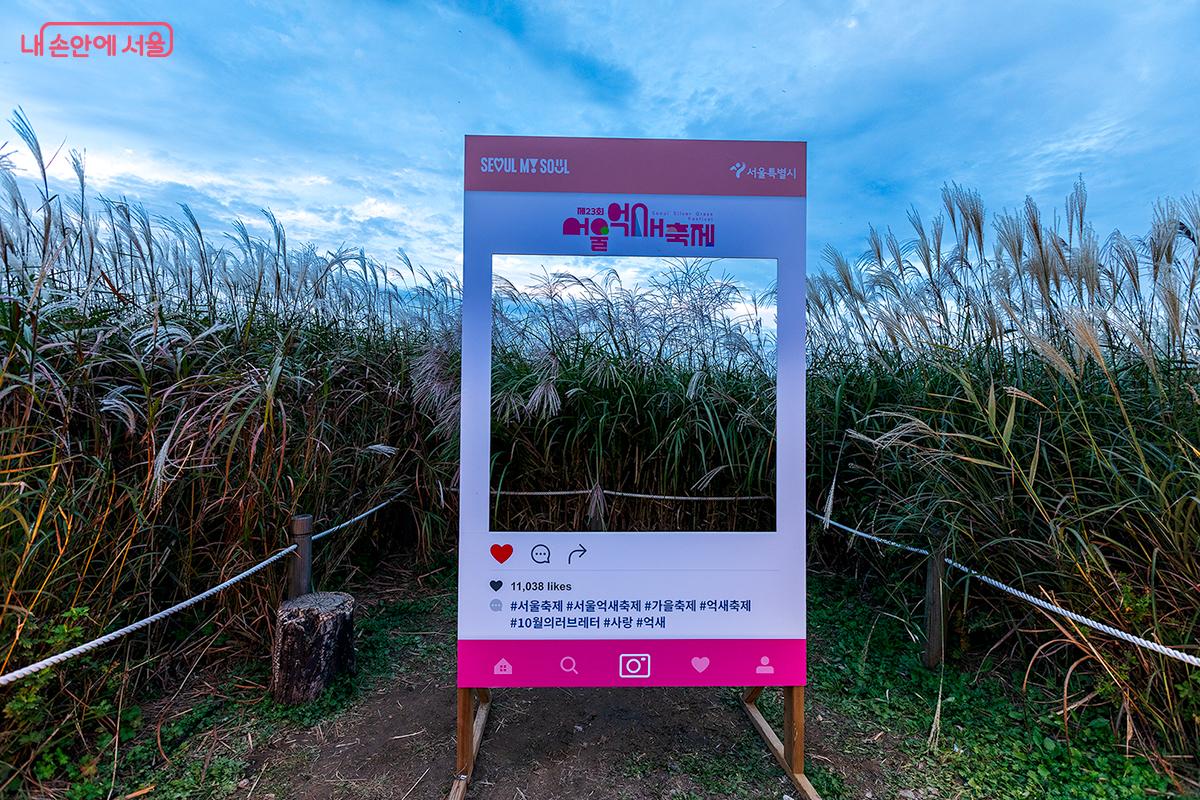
(469, 735)
(790, 752)
(793, 727)
(465, 760)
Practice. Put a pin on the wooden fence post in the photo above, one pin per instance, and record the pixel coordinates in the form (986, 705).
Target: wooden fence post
(314, 631)
(935, 609)
(300, 579)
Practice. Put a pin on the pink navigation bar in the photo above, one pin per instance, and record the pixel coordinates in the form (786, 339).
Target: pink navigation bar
(631, 662)
(635, 166)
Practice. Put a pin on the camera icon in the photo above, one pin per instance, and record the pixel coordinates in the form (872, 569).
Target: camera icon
(634, 665)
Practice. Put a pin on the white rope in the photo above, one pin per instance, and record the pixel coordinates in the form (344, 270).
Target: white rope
(827, 522)
(319, 536)
(1186, 658)
(25, 672)
(563, 493)
(1045, 605)
(615, 493)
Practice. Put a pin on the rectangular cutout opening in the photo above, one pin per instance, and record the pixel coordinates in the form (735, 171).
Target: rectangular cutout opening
(621, 384)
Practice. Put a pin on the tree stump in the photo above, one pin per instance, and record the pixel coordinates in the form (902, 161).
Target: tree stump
(314, 642)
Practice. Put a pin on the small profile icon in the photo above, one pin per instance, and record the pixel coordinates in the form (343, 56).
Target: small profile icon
(764, 667)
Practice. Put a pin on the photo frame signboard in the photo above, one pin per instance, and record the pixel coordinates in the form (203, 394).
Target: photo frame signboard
(553, 592)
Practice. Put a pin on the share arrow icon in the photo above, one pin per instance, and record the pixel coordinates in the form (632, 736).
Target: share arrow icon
(580, 551)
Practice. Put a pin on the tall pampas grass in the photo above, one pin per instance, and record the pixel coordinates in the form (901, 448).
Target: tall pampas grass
(1032, 407)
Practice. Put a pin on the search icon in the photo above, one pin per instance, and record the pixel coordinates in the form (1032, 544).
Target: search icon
(568, 665)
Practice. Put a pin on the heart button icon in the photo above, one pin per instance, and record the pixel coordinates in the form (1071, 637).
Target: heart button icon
(496, 585)
(700, 663)
(502, 552)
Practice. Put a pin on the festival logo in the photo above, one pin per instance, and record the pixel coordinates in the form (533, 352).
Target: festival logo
(636, 220)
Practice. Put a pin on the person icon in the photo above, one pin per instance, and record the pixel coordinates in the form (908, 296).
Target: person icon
(764, 667)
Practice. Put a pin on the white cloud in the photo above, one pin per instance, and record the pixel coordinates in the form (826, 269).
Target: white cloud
(348, 121)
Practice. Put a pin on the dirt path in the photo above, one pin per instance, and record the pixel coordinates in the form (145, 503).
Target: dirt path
(635, 744)
(603, 743)
(879, 725)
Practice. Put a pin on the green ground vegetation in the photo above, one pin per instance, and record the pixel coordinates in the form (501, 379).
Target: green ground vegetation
(963, 730)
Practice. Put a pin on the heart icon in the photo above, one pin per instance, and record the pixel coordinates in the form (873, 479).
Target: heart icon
(496, 585)
(700, 663)
(502, 552)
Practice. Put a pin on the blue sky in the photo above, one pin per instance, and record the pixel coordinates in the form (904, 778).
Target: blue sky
(753, 277)
(346, 119)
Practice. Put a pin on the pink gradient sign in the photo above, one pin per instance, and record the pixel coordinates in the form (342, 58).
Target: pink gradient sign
(635, 166)
(631, 662)
(631, 607)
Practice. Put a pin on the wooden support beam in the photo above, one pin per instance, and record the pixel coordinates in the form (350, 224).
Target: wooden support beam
(790, 752)
(471, 721)
(465, 760)
(793, 727)
(481, 715)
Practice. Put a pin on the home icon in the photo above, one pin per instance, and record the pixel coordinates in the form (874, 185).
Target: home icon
(502, 668)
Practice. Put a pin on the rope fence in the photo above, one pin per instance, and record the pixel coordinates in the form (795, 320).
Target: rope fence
(319, 536)
(1045, 605)
(639, 496)
(612, 493)
(45, 663)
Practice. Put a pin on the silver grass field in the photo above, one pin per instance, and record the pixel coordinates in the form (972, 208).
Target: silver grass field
(1021, 393)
